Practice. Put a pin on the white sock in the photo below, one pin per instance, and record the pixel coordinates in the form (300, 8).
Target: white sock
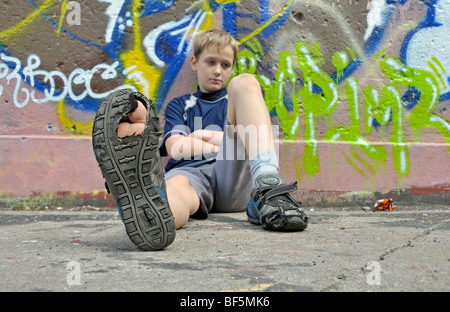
(263, 162)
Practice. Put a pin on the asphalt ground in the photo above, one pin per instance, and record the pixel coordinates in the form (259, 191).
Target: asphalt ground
(342, 250)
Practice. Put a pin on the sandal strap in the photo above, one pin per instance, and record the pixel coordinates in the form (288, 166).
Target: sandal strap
(271, 192)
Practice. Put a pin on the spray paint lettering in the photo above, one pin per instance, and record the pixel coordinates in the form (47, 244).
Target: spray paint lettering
(33, 76)
(320, 95)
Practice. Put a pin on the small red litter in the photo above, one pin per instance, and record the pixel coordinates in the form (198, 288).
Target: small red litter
(385, 204)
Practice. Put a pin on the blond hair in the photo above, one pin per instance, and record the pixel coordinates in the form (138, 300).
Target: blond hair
(217, 38)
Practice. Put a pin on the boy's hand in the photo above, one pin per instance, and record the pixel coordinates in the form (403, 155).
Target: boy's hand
(212, 137)
(200, 142)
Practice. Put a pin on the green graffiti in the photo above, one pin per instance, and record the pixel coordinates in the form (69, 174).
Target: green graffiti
(290, 123)
(314, 103)
(246, 62)
(391, 98)
(422, 115)
(353, 135)
(340, 61)
(319, 96)
(275, 91)
(389, 105)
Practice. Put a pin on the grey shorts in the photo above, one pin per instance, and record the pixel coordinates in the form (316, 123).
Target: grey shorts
(225, 185)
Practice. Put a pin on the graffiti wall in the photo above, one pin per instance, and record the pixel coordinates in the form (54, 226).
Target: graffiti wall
(359, 88)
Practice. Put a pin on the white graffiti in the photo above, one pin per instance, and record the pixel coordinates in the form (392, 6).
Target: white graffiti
(188, 25)
(428, 48)
(378, 15)
(78, 77)
(113, 11)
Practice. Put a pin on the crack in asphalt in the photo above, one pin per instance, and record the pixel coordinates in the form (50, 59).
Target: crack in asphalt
(342, 277)
(411, 240)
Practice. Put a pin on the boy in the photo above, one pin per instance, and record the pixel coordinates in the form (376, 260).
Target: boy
(213, 165)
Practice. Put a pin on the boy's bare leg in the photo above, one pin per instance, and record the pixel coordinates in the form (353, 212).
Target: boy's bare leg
(138, 194)
(246, 107)
(183, 199)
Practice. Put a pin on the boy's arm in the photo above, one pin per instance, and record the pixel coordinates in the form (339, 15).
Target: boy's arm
(212, 137)
(200, 142)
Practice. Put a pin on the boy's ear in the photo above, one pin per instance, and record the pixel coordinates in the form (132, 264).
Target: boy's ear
(194, 63)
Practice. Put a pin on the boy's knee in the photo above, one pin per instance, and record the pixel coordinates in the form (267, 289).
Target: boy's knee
(245, 82)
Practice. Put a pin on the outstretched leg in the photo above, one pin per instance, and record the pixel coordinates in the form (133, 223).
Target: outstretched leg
(133, 171)
(183, 199)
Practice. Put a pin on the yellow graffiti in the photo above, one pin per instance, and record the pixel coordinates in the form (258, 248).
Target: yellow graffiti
(224, 2)
(25, 22)
(74, 127)
(266, 24)
(208, 22)
(61, 18)
(136, 58)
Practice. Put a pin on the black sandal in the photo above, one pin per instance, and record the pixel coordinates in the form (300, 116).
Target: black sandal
(273, 207)
(133, 171)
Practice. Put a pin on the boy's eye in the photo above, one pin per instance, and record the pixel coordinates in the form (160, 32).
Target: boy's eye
(213, 63)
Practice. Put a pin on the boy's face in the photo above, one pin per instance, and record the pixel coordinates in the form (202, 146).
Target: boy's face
(214, 67)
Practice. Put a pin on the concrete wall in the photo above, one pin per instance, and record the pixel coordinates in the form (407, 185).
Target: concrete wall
(360, 89)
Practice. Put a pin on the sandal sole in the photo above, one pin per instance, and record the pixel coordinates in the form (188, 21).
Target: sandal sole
(133, 172)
